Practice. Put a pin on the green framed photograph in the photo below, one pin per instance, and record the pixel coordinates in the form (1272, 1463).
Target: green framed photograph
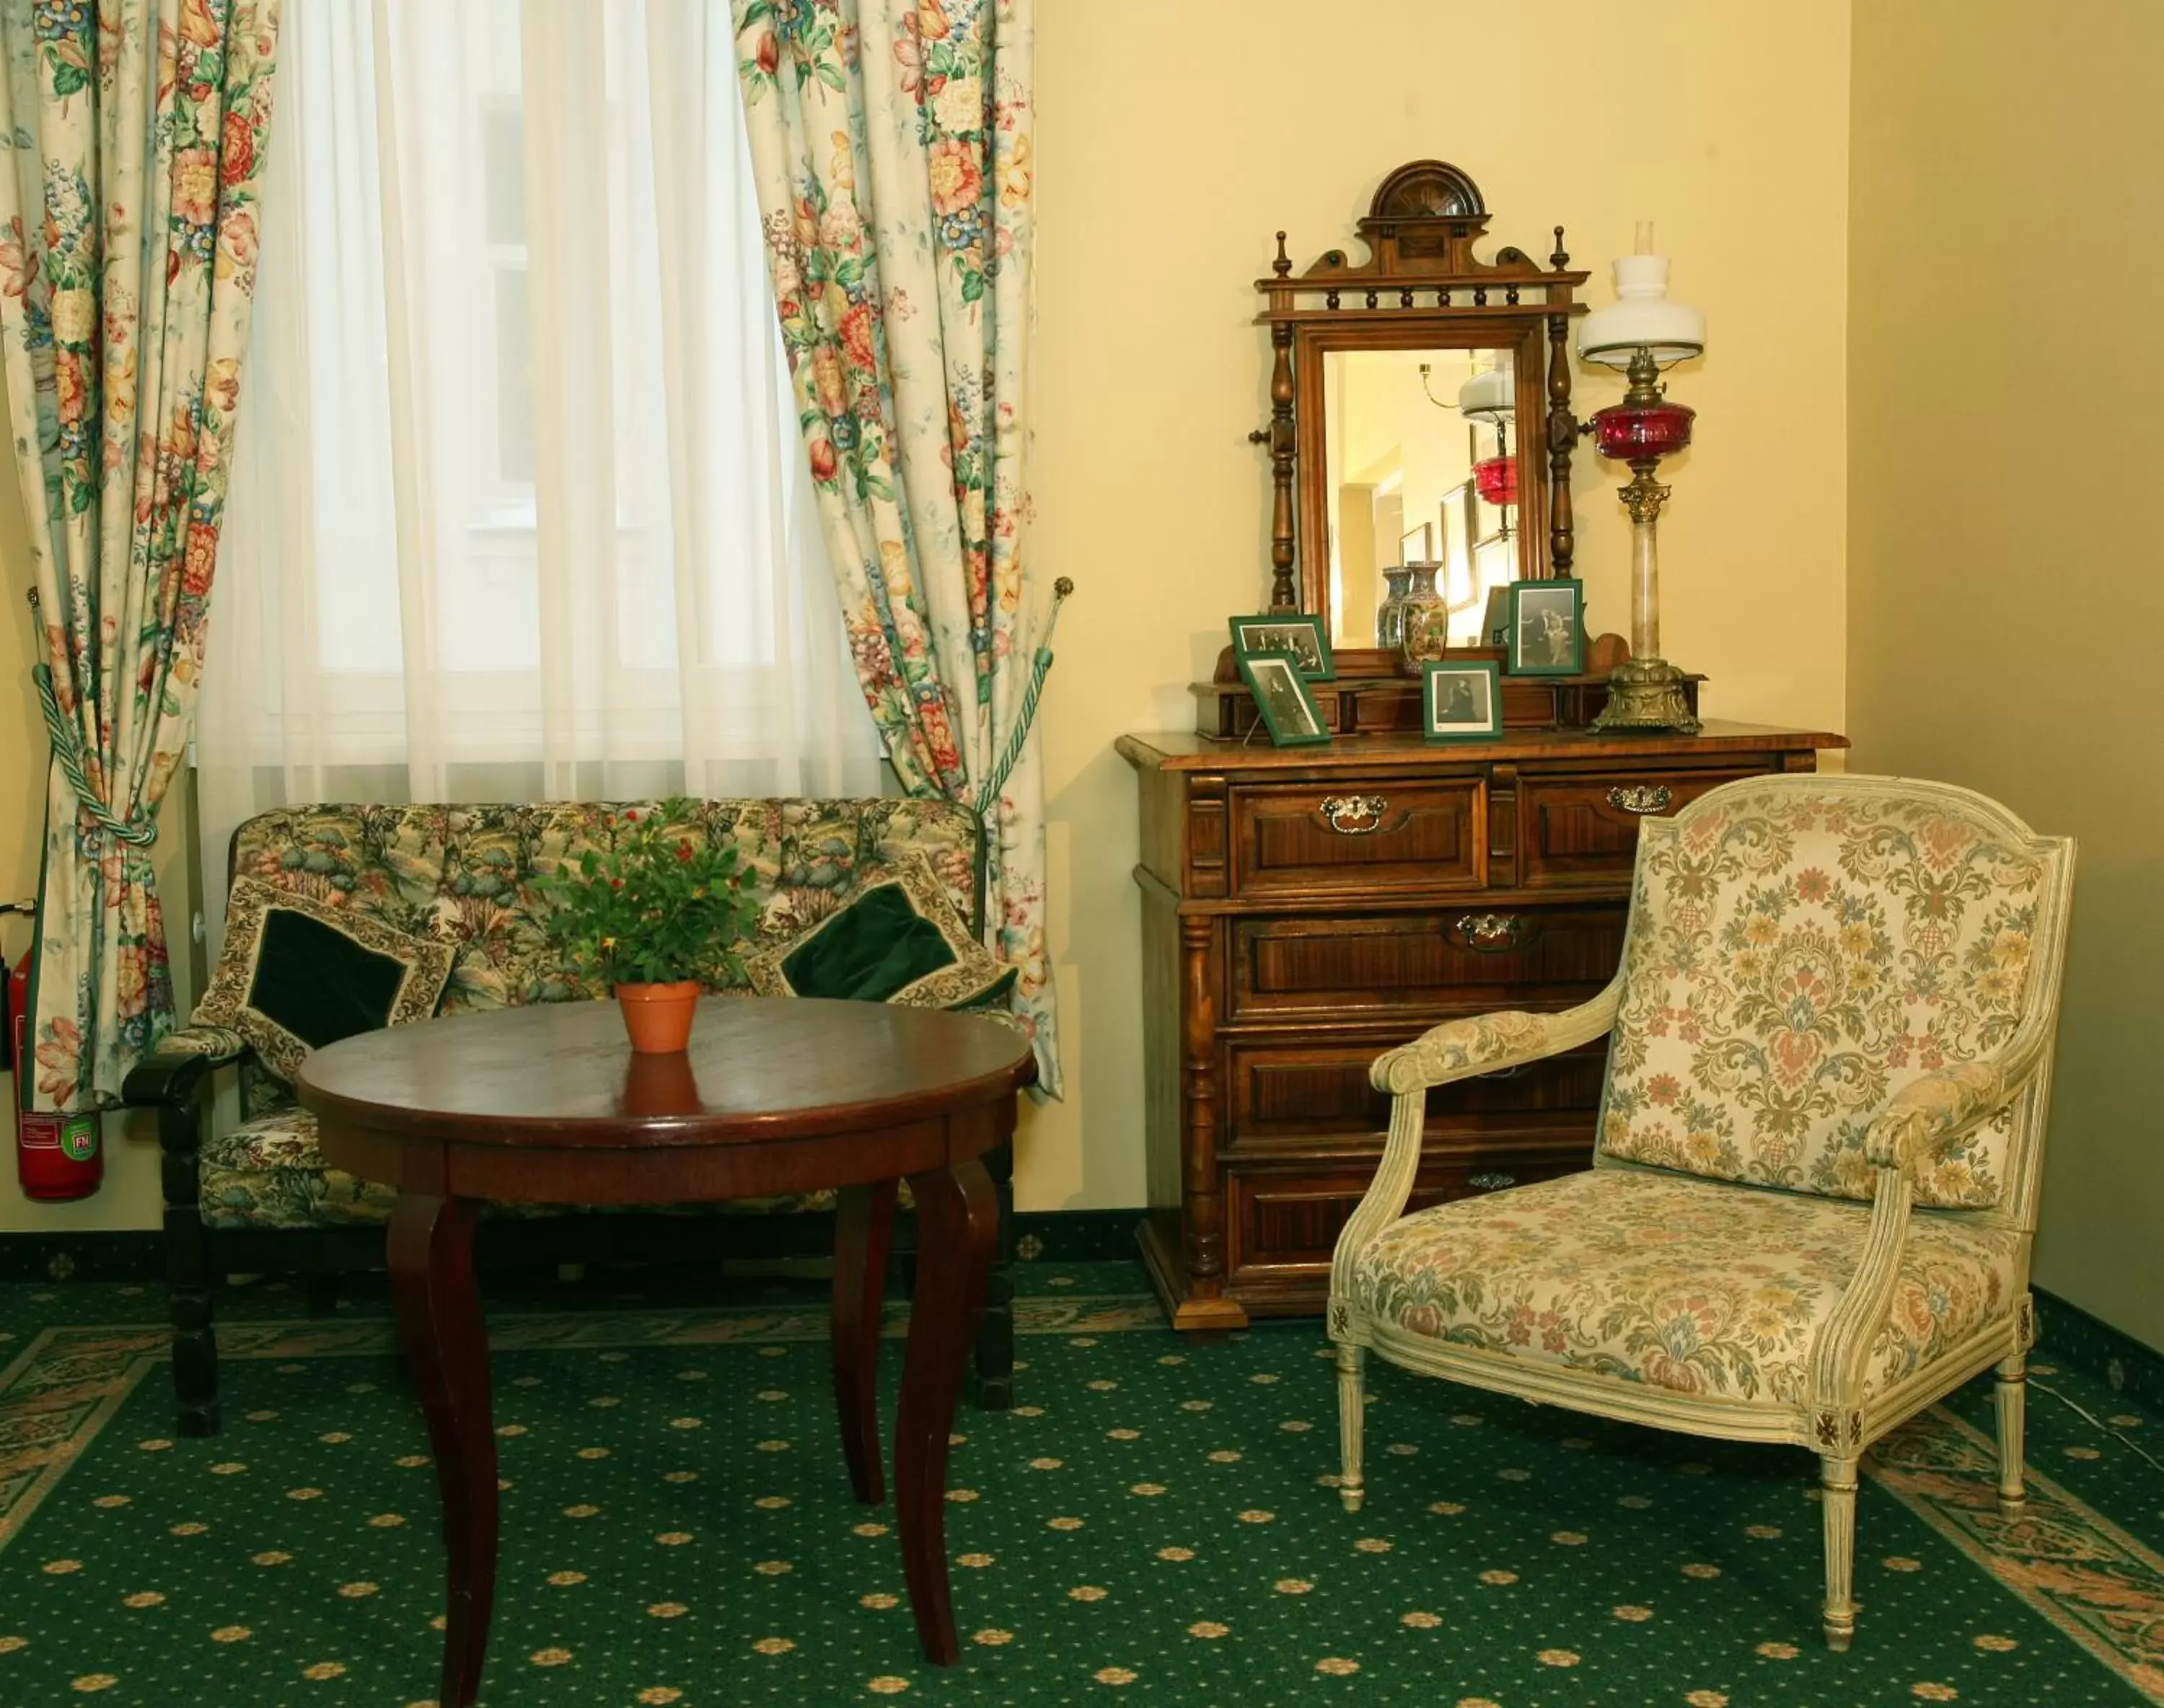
(1547, 627)
(1461, 701)
(1496, 620)
(1288, 709)
(1287, 632)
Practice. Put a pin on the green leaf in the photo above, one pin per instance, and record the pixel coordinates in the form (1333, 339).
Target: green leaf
(831, 75)
(973, 285)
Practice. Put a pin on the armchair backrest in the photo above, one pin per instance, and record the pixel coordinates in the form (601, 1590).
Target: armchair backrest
(463, 873)
(1801, 948)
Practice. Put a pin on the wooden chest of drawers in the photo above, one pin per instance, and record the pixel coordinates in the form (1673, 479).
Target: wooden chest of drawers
(1304, 909)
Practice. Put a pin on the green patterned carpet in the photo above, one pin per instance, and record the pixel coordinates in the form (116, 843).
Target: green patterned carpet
(1153, 1521)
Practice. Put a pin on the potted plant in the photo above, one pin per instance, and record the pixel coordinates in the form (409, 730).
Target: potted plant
(655, 917)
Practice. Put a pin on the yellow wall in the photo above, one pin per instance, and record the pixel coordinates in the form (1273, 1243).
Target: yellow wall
(2004, 593)
(1174, 137)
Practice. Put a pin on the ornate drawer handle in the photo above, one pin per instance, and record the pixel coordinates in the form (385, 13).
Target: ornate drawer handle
(1492, 1181)
(1490, 933)
(1355, 815)
(1639, 797)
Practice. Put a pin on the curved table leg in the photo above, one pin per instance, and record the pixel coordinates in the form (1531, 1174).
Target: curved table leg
(863, 1229)
(957, 1219)
(430, 1250)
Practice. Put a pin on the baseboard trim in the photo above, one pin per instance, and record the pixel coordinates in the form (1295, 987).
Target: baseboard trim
(2068, 1332)
(1076, 1236)
(129, 1254)
(138, 1254)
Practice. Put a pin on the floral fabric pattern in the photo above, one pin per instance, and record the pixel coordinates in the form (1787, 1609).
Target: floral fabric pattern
(1715, 1291)
(1794, 960)
(891, 143)
(137, 132)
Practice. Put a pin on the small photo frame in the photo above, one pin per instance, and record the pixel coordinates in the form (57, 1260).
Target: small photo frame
(1547, 627)
(1496, 620)
(1288, 709)
(1287, 631)
(1461, 701)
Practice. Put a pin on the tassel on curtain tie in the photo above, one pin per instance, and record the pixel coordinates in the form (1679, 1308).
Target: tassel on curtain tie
(1040, 666)
(137, 831)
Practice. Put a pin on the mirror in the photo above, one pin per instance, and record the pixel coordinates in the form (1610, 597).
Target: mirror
(1420, 431)
(1410, 439)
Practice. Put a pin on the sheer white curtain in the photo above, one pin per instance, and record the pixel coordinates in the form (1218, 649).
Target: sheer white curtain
(519, 507)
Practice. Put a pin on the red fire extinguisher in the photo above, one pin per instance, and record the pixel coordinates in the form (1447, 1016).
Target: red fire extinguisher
(56, 1156)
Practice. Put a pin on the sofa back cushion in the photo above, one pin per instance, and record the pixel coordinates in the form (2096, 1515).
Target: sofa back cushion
(464, 874)
(1799, 949)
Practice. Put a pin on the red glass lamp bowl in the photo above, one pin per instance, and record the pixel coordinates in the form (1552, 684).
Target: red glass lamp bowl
(1629, 431)
(1496, 479)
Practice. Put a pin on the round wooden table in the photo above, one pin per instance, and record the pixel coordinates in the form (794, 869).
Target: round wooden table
(547, 1104)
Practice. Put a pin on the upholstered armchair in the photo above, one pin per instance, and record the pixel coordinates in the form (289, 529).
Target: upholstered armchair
(1814, 1188)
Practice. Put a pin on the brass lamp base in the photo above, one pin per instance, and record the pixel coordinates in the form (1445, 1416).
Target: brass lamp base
(1647, 694)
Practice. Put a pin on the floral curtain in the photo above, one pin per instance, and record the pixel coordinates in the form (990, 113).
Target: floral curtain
(135, 132)
(890, 145)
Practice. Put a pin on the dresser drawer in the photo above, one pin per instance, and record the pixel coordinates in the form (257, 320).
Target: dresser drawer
(1296, 1095)
(1283, 1224)
(1357, 838)
(1583, 827)
(1464, 960)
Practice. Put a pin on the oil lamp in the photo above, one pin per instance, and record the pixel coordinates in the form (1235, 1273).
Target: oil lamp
(1643, 333)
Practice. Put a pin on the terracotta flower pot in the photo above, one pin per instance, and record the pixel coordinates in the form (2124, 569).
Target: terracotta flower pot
(658, 1017)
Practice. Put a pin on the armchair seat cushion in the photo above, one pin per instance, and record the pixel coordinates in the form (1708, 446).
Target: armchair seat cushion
(269, 1173)
(1706, 1288)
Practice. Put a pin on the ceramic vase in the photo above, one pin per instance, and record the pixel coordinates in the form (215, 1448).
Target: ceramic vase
(657, 1017)
(1424, 618)
(1391, 614)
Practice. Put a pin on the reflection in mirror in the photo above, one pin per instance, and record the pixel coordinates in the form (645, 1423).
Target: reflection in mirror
(1422, 479)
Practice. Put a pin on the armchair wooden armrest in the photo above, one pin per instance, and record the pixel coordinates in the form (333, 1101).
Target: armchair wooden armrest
(1456, 1049)
(1917, 1123)
(1926, 1115)
(1485, 1043)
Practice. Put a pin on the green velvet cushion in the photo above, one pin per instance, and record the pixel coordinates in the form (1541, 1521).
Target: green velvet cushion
(875, 946)
(296, 973)
(897, 939)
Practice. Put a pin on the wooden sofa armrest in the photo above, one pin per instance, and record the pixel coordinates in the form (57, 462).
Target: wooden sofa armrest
(170, 1077)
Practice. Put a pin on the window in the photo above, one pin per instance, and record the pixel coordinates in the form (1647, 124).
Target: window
(519, 502)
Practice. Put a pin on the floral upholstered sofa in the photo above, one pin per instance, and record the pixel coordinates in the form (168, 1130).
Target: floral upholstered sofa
(260, 1197)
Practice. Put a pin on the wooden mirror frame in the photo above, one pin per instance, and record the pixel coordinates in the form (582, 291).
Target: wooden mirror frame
(1421, 287)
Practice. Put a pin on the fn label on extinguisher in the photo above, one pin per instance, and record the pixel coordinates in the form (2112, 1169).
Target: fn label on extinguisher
(79, 1138)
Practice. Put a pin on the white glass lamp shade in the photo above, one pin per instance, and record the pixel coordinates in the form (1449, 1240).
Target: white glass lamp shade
(1640, 318)
(1490, 395)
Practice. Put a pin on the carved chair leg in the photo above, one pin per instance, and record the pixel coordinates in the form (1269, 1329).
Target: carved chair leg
(2013, 1395)
(1351, 1420)
(1838, 1478)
